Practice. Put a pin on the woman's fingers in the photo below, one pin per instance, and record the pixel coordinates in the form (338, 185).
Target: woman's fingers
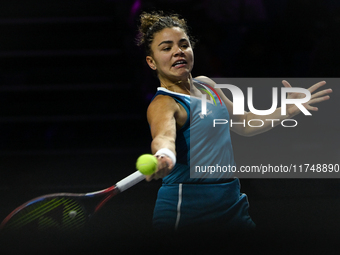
(286, 84)
(164, 167)
(322, 93)
(316, 86)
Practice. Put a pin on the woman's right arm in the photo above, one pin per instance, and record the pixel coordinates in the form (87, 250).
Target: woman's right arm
(161, 115)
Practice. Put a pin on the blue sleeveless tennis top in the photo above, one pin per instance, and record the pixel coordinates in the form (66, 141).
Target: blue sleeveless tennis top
(199, 145)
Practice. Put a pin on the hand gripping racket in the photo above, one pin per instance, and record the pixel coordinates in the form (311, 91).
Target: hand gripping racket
(63, 211)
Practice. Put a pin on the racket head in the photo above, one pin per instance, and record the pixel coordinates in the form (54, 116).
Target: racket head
(46, 213)
(56, 213)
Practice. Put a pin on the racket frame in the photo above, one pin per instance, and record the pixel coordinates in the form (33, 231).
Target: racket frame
(119, 187)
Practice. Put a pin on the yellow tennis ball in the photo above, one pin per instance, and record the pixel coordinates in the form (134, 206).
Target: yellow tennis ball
(146, 164)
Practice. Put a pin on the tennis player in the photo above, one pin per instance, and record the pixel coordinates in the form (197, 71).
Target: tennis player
(174, 116)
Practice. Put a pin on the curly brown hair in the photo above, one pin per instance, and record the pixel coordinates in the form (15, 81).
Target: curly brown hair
(154, 22)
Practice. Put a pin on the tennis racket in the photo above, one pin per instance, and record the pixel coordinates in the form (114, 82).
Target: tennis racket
(61, 212)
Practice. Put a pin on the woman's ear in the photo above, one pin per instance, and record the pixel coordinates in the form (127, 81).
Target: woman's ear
(151, 62)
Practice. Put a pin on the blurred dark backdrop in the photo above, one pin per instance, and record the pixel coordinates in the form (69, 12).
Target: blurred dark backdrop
(74, 89)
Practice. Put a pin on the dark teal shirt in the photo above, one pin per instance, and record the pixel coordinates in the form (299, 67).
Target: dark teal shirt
(199, 145)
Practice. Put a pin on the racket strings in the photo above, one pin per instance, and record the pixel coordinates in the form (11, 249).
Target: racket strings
(57, 213)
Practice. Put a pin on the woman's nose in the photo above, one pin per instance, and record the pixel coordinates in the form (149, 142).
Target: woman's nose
(179, 51)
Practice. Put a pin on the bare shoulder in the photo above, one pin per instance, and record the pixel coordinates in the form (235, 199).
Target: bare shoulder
(206, 80)
(162, 100)
(163, 103)
(164, 108)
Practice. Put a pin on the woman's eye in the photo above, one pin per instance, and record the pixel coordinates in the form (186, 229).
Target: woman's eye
(166, 49)
(185, 46)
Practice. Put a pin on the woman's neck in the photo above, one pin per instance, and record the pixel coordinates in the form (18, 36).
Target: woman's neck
(176, 86)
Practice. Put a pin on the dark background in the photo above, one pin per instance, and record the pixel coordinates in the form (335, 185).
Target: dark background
(74, 89)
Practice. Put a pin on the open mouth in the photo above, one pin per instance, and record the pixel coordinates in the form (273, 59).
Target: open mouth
(179, 63)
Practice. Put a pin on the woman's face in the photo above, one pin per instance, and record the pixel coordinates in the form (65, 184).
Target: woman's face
(172, 55)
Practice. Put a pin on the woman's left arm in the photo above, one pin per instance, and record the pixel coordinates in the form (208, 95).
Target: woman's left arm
(291, 109)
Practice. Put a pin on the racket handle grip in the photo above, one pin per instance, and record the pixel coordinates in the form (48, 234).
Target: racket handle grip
(130, 180)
